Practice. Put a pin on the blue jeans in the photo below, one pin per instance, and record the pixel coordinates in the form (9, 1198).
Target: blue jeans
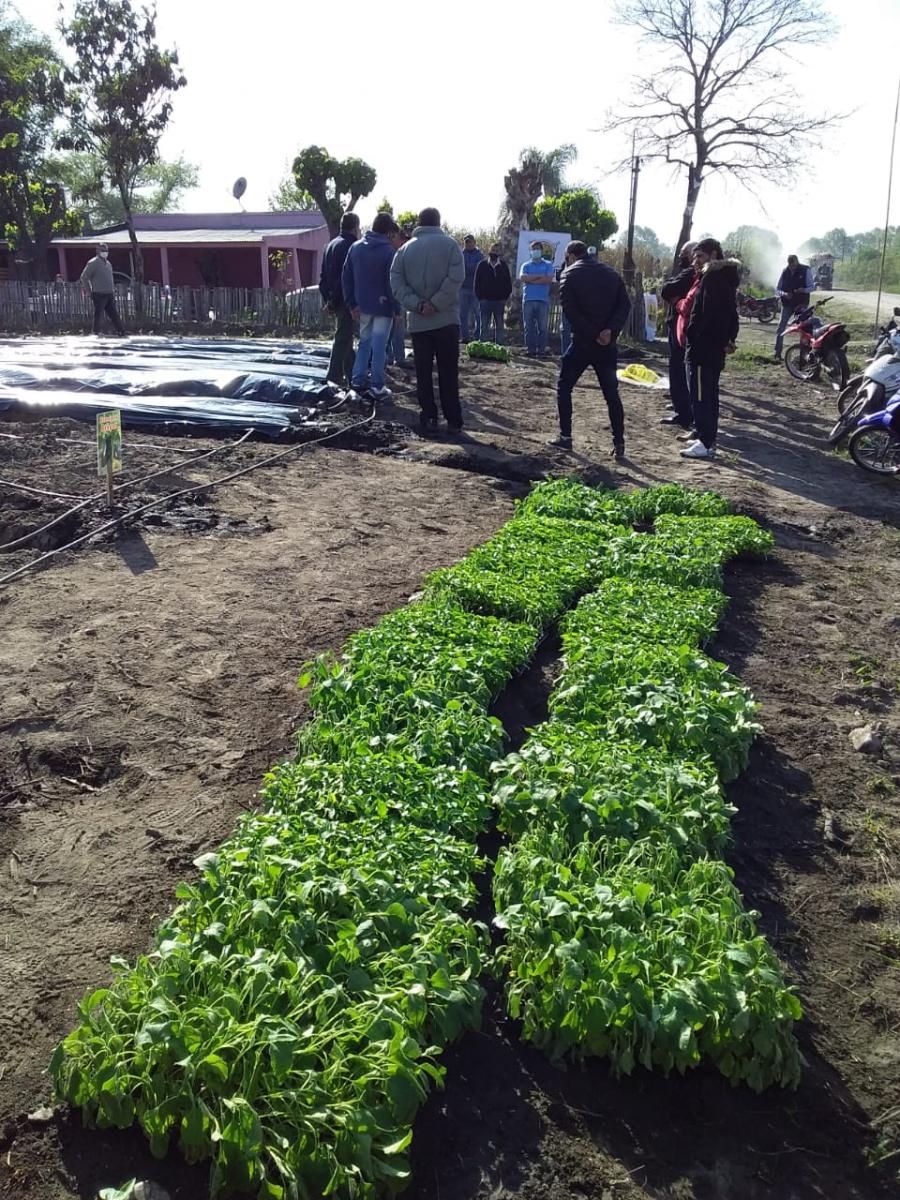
(373, 336)
(788, 308)
(536, 318)
(565, 333)
(493, 309)
(468, 307)
(396, 344)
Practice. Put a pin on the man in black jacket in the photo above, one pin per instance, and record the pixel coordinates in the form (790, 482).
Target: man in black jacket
(493, 287)
(340, 365)
(595, 302)
(675, 288)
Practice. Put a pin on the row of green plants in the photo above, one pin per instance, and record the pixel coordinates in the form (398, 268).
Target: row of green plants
(290, 1018)
(625, 936)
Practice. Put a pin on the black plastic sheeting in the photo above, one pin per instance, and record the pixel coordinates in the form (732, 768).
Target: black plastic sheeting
(175, 385)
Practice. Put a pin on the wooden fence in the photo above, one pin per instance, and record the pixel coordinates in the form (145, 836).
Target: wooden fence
(149, 308)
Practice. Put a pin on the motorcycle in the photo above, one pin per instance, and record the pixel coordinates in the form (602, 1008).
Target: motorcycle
(820, 349)
(765, 310)
(875, 444)
(878, 386)
(883, 345)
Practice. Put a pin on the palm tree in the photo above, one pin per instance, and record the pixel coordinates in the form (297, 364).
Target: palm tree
(537, 174)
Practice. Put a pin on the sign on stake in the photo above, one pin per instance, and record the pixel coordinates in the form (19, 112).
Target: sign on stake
(109, 448)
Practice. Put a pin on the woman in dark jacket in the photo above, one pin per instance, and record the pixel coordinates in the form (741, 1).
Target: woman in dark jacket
(709, 317)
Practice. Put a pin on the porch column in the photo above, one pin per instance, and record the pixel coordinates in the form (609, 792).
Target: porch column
(264, 265)
(61, 255)
(298, 282)
(164, 264)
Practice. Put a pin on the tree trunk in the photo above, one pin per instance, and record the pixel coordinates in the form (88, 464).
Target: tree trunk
(523, 190)
(695, 181)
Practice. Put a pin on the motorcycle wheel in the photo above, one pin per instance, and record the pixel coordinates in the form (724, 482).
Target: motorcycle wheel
(846, 421)
(798, 367)
(766, 316)
(848, 392)
(876, 450)
(837, 369)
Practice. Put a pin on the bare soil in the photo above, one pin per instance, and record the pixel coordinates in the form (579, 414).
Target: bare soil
(148, 682)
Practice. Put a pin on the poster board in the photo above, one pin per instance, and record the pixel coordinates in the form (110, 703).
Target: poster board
(555, 242)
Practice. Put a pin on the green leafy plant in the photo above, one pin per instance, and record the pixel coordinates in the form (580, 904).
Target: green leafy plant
(489, 350)
(531, 571)
(640, 958)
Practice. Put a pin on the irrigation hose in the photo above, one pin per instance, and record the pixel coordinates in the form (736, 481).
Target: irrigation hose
(33, 491)
(200, 487)
(30, 536)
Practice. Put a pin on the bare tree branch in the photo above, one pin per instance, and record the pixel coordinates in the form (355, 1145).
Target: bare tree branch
(720, 101)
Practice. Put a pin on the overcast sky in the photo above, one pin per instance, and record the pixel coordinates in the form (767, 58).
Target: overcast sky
(440, 98)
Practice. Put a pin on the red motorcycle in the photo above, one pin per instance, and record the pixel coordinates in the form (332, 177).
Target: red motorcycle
(765, 309)
(820, 350)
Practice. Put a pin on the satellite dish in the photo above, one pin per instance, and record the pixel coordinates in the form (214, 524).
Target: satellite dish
(239, 187)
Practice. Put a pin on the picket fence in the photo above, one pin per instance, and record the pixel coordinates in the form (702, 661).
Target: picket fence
(35, 307)
(149, 308)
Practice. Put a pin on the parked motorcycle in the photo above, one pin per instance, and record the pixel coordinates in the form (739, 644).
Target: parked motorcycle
(820, 349)
(875, 444)
(765, 310)
(878, 386)
(883, 344)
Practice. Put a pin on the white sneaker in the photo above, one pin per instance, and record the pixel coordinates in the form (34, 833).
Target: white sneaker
(353, 394)
(382, 393)
(698, 450)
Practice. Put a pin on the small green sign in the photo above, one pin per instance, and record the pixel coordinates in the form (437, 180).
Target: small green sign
(109, 442)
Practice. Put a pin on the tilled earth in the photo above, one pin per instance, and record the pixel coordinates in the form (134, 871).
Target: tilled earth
(148, 682)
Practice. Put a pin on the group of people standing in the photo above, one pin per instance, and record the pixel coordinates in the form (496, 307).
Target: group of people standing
(702, 328)
(445, 292)
(386, 279)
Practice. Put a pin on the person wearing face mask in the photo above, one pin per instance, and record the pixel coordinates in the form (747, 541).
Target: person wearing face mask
(536, 277)
(98, 276)
(468, 302)
(493, 287)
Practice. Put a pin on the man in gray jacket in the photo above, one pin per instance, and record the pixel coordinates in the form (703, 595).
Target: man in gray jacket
(426, 275)
(98, 275)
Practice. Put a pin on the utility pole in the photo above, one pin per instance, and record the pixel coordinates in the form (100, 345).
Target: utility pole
(632, 205)
(887, 217)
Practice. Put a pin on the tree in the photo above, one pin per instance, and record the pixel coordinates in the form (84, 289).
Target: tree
(578, 212)
(287, 197)
(335, 186)
(32, 208)
(385, 206)
(118, 92)
(158, 187)
(646, 240)
(408, 219)
(719, 101)
(536, 174)
(759, 250)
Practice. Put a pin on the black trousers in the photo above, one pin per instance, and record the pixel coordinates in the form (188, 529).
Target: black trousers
(576, 360)
(678, 385)
(703, 371)
(340, 365)
(105, 302)
(441, 345)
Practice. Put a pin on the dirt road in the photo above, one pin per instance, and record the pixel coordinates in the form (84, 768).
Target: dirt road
(148, 683)
(867, 302)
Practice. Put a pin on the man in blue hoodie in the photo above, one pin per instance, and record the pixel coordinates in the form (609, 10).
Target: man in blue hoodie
(340, 366)
(366, 283)
(468, 304)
